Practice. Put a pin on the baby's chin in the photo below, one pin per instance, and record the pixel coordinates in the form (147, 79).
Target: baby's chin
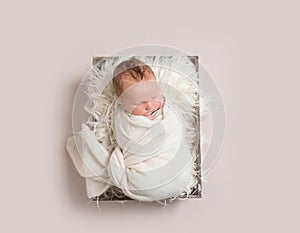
(150, 117)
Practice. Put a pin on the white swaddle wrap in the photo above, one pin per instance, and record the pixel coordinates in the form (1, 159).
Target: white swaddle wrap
(152, 161)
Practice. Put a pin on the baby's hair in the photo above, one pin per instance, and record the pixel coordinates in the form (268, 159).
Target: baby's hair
(134, 68)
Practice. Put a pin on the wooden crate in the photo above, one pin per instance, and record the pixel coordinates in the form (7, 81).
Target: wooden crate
(113, 193)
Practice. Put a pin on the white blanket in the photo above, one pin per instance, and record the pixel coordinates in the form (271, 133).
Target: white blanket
(152, 161)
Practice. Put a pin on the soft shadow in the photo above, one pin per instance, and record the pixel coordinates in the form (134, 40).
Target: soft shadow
(74, 183)
(111, 208)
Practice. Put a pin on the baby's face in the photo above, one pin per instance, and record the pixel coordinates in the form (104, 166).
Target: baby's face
(142, 98)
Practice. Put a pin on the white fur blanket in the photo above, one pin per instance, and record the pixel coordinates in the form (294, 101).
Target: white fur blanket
(153, 161)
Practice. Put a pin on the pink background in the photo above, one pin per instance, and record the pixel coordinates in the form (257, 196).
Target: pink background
(250, 47)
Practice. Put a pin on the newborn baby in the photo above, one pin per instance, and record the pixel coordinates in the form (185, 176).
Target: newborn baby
(151, 135)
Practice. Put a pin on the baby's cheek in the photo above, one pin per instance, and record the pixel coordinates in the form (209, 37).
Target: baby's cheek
(138, 110)
(156, 105)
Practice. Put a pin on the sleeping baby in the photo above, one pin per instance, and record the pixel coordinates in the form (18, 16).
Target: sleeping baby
(156, 162)
(152, 160)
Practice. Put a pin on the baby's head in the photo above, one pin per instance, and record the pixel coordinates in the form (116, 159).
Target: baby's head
(136, 88)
